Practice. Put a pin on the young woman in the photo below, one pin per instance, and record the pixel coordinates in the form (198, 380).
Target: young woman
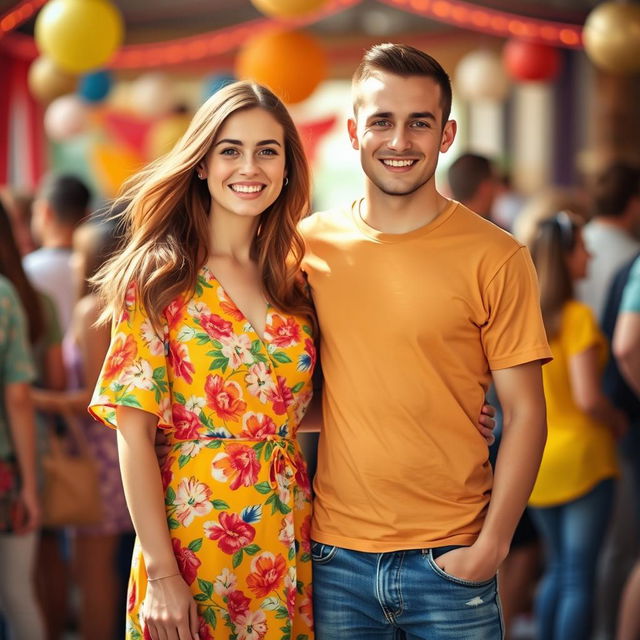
(94, 547)
(573, 493)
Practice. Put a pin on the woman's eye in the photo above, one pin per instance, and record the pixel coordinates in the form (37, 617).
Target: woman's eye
(268, 152)
(229, 152)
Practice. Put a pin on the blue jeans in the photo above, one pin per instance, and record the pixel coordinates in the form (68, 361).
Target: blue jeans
(401, 595)
(573, 534)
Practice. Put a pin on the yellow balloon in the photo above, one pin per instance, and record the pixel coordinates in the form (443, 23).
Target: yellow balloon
(47, 82)
(287, 8)
(290, 63)
(611, 37)
(79, 35)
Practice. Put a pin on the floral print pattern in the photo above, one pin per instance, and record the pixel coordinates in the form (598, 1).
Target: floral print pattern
(237, 495)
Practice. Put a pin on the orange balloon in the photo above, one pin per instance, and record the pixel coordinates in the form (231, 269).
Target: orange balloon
(112, 165)
(290, 63)
(287, 8)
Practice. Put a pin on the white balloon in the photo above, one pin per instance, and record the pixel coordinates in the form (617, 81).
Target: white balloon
(66, 117)
(480, 75)
(153, 95)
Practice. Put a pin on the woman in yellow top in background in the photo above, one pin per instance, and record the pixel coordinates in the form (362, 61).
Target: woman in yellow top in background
(572, 497)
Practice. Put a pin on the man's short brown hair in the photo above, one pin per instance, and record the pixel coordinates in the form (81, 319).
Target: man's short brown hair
(404, 60)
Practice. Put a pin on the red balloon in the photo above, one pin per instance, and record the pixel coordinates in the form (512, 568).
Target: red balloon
(530, 61)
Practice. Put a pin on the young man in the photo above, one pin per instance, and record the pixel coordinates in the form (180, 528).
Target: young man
(420, 303)
(61, 205)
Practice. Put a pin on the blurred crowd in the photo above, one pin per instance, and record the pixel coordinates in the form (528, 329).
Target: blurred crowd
(574, 561)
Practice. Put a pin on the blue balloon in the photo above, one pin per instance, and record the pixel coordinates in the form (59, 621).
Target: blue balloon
(214, 83)
(95, 87)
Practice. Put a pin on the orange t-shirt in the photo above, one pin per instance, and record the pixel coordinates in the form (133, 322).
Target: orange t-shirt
(411, 326)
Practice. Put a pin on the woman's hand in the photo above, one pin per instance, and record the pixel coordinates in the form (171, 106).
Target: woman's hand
(486, 423)
(27, 513)
(169, 611)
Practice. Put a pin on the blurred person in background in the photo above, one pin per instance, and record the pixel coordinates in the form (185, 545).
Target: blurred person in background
(61, 203)
(626, 349)
(611, 239)
(94, 548)
(473, 182)
(60, 206)
(571, 499)
(18, 333)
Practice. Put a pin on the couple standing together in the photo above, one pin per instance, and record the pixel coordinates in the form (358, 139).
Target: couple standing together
(420, 304)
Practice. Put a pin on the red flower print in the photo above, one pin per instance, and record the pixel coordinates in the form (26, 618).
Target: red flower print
(225, 398)
(306, 607)
(310, 348)
(302, 477)
(186, 422)
(281, 397)
(174, 313)
(231, 532)
(131, 600)
(215, 326)
(188, 563)
(305, 535)
(237, 604)
(282, 332)
(291, 592)
(180, 362)
(257, 426)
(6, 477)
(204, 632)
(267, 574)
(166, 472)
(239, 464)
(121, 355)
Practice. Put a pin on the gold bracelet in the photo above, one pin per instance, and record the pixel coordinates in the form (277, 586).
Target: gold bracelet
(163, 577)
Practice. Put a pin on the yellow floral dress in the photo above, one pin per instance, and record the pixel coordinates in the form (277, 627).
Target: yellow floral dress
(237, 494)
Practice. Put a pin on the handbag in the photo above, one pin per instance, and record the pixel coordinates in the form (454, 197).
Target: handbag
(71, 494)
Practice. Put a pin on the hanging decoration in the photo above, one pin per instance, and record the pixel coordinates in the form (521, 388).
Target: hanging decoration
(153, 95)
(530, 61)
(287, 8)
(79, 35)
(47, 82)
(480, 75)
(291, 63)
(612, 37)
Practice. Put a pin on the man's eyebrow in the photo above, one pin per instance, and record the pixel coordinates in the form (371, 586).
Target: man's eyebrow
(427, 115)
(239, 143)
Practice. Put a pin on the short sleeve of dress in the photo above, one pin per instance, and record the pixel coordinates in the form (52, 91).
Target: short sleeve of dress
(135, 370)
(579, 329)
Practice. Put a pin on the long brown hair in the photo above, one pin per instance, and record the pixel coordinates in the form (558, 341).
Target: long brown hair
(554, 240)
(11, 268)
(165, 218)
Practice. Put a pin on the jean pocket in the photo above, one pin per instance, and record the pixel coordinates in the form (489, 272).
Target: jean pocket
(428, 554)
(322, 553)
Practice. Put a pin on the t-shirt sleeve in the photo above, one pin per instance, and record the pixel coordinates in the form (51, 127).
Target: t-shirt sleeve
(631, 294)
(580, 330)
(16, 362)
(135, 370)
(514, 332)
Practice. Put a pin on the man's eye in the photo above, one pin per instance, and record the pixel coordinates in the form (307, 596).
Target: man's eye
(421, 124)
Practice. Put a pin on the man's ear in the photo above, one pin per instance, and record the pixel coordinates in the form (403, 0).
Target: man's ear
(448, 135)
(352, 127)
